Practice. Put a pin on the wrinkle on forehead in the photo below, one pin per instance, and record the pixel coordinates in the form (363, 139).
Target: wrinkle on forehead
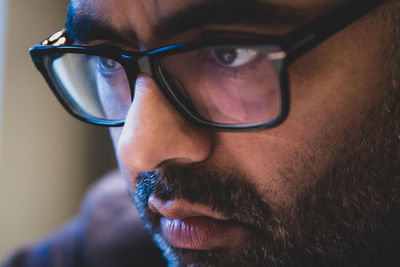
(140, 15)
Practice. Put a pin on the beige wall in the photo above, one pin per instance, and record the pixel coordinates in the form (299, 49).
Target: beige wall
(47, 158)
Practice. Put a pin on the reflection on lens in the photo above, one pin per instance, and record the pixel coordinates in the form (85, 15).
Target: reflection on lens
(227, 85)
(113, 88)
(95, 87)
(234, 57)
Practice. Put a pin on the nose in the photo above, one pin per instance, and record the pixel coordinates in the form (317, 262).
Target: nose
(155, 133)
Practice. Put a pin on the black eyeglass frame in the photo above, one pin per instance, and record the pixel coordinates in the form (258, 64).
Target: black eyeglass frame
(294, 44)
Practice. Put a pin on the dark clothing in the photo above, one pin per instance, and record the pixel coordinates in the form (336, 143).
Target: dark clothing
(107, 232)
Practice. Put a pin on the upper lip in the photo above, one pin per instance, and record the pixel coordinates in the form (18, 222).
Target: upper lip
(181, 209)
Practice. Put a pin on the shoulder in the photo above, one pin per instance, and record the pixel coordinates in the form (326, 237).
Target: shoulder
(106, 232)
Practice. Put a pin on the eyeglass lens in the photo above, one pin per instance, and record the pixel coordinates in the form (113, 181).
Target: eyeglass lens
(226, 85)
(95, 87)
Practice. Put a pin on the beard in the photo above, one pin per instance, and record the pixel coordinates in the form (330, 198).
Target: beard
(349, 217)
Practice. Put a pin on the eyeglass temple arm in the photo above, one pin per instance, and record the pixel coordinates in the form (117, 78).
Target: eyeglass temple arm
(304, 39)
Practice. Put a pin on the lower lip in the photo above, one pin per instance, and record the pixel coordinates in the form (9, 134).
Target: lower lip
(199, 233)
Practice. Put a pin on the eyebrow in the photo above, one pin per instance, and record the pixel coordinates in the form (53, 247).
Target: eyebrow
(85, 28)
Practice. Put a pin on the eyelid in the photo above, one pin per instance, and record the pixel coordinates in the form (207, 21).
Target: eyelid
(236, 70)
(110, 72)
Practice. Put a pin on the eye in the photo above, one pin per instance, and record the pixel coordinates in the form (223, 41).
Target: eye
(234, 57)
(108, 65)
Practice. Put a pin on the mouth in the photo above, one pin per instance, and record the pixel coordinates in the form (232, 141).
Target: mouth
(188, 226)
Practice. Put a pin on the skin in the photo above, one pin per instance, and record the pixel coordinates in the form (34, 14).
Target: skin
(334, 90)
(140, 147)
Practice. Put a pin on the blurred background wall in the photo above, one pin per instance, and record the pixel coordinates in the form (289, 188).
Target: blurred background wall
(47, 158)
(3, 31)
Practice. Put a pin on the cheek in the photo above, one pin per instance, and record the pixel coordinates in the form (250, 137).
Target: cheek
(128, 173)
(333, 90)
(338, 81)
(115, 133)
(277, 163)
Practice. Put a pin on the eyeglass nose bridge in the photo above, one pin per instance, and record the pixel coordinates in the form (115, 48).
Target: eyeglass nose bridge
(135, 66)
(144, 65)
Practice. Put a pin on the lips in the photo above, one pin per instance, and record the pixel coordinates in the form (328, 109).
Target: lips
(195, 227)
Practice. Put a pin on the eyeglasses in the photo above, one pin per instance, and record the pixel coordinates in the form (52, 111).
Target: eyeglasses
(232, 84)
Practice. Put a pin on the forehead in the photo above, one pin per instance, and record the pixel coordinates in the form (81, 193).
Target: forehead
(171, 5)
(142, 16)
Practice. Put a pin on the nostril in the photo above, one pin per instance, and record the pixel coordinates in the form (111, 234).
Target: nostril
(138, 157)
(155, 204)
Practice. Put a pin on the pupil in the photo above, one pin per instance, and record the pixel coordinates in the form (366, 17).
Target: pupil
(226, 55)
(108, 63)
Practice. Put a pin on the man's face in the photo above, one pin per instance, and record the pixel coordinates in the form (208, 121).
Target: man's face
(321, 189)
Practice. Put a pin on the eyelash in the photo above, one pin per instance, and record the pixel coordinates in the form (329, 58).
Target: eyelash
(207, 56)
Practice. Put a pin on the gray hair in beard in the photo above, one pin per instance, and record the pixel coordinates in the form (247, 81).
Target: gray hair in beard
(349, 218)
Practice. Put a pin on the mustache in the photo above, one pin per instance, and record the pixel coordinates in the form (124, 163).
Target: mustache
(226, 192)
